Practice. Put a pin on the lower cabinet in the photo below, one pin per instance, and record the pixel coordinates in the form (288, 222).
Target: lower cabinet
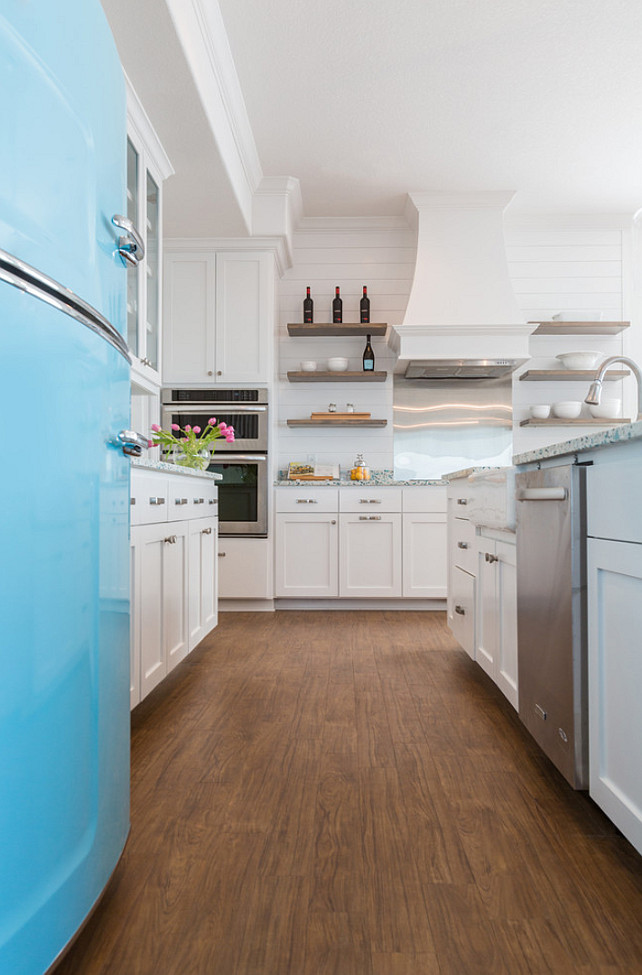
(307, 548)
(173, 578)
(244, 568)
(425, 555)
(461, 613)
(496, 614)
(370, 555)
(615, 677)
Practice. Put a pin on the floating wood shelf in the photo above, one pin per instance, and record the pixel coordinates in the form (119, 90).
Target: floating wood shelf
(299, 329)
(352, 422)
(556, 421)
(579, 328)
(337, 377)
(566, 375)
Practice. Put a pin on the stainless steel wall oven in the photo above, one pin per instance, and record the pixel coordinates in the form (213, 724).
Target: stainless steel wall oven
(243, 464)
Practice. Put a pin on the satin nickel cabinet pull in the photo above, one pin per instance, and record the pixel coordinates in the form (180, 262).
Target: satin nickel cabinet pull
(490, 557)
(155, 501)
(199, 500)
(213, 501)
(132, 501)
(370, 501)
(206, 531)
(462, 500)
(462, 544)
(369, 517)
(334, 521)
(307, 501)
(171, 539)
(222, 555)
(460, 610)
(180, 501)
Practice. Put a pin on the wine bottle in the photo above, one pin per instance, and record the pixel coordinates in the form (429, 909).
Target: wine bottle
(364, 306)
(337, 307)
(368, 357)
(308, 307)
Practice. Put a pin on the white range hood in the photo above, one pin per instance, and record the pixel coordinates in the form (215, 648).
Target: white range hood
(461, 303)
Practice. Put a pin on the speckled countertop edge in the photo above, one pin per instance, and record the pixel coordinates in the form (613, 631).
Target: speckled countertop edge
(378, 478)
(467, 471)
(588, 441)
(161, 465)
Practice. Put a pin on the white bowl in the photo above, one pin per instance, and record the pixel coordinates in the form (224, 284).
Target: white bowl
(607, 410)
(308, 365)
(337, 364)
(580, 360)
(568, 409)
(540, 411)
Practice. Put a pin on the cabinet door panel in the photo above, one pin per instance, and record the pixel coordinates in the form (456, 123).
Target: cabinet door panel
(487, 614)
(424, 555)
(506, 662)
(153, 665)
(174, 590)
(243, 568)
(306, 555)
(243, 304)
(202, 579)
(370, 563)
(188, 337)
(134, 622)
(462, 620)
(615, 677)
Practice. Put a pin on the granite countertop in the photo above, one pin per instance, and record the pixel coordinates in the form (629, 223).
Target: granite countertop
(378, 478)
(161, 465)
(588, 441)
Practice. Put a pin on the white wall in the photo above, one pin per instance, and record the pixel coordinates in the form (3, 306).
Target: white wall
(574, 265)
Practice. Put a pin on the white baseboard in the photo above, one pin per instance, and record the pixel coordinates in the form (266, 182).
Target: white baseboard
(246, 606)
(423, 605)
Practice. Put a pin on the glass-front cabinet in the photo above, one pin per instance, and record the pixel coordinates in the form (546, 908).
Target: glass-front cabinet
(147, 167)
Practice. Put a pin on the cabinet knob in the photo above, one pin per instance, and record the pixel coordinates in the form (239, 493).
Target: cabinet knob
(206, 531)
(209, 372)
(462, 500)
(462, 544)
(333, 522)
(132, 500)
(171, 539)
(490, 557)
(460, 610)
(219, 373)
(222, 555)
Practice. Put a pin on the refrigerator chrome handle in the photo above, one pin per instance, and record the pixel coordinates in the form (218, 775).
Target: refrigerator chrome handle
(132, 443)
(131, 246)
(542, 494)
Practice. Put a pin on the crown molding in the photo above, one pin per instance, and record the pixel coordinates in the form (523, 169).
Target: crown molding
(213, 245)
(201, 31)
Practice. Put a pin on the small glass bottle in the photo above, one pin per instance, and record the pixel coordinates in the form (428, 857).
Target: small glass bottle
(337, 307)
(308, 307)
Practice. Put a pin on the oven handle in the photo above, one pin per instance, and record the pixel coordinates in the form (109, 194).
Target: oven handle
(210, 407)
(230, 458)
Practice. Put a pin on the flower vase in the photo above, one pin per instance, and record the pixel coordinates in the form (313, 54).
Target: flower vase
(197, 462)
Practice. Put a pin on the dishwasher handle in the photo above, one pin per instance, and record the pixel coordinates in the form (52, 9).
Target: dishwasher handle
(542, 494)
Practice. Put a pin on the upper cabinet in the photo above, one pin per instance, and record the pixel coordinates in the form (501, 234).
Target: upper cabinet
(147, 167)
(219, 316)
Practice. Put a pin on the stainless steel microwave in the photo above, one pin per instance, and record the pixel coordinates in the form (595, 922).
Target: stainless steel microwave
(244, 409)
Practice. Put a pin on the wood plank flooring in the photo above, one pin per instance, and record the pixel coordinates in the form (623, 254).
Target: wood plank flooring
(346, 793)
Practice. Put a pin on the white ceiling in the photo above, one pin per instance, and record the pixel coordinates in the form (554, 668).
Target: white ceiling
(365, 100)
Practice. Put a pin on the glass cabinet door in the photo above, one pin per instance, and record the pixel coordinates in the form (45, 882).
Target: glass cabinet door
(133, 160)
(152, 262)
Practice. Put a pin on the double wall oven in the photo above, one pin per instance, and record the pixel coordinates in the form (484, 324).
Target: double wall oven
(243, 464)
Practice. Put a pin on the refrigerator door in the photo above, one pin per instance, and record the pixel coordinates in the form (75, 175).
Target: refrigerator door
(64, 492)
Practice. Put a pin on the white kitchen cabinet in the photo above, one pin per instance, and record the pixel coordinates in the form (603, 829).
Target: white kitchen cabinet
(147, 168)
(203, 601)
(370, 554)
(307, 554)
(461, 597)
(244, 570)
(496, 613)
(160, 561)
(615, 677)
(219, 311)
(173, 572)
(425, 555)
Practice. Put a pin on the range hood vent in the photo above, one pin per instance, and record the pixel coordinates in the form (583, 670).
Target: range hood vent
(464, 369)
(461, 303)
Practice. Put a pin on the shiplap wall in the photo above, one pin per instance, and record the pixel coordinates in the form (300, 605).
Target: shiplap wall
(381, 255)
(572, 271)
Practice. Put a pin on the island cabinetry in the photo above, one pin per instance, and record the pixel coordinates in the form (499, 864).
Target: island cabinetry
(496, 612)
(462, 565)
(614, 581)
(173, 572)
(219, 311)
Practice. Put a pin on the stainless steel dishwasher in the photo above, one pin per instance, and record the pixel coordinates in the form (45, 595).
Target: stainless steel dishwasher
(551, 615)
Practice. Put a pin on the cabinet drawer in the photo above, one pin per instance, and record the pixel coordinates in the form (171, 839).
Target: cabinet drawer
(369, 499)
(463, 544)
(304, 499)
(613, 501)
(149, 498)
(424, 499)
(462, 620)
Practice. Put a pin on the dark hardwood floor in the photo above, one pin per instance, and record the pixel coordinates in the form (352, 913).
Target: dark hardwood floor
(346, 793)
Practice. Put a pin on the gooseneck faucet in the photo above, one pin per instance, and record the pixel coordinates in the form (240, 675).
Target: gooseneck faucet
(595, 392)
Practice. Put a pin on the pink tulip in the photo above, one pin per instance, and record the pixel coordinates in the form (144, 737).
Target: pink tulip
(212, 421)
(230, 429)
(222, 427)
(230, 438)
(150, 443)
(175, 426)
(155, 427)
(187, 428)
(197, 429)
(184, 439)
